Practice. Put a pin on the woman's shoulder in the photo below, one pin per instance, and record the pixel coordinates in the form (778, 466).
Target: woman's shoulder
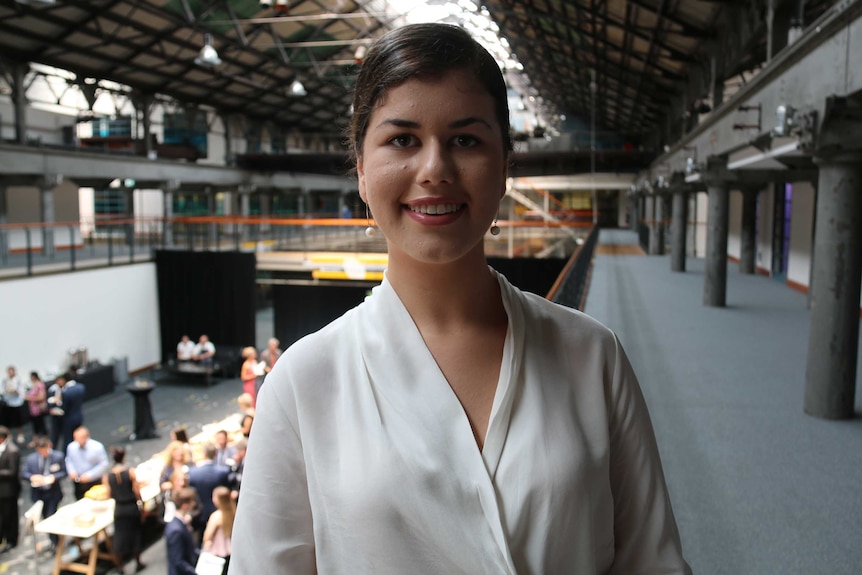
(571, 321)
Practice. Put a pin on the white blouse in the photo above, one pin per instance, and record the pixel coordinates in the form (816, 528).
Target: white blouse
(362, 459)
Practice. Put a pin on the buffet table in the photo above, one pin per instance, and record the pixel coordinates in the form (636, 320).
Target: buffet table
(98, 379)
(82, 519)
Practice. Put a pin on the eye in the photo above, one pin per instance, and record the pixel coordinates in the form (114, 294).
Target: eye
(402, 140)
(465, 141)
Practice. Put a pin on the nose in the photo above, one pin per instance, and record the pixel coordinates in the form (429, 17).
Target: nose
(436, 165)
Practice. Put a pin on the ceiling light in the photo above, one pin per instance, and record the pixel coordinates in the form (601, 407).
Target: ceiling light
(37, 2)
(208, 57)
(296, 88)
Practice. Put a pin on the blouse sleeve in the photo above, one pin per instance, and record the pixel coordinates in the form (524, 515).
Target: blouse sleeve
(645, 532)
(273, 530)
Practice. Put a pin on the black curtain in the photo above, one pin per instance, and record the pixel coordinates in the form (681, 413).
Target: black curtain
(530, 274)
(206, 293)
(303, 309)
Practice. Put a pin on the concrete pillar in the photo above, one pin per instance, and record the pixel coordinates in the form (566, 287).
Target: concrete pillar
(212, 229)
(653, 214)
(634, 212)
(19, 100)
(4, 244)
(229, 158)
(303, 202)
(679, 228)
(748, 249)
(168, 190)
(46, 185)
(830, 378)
(244, 203)
(715, 277)
(143, 104)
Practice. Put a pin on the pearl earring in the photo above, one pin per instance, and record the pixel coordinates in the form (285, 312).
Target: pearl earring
(370, 231)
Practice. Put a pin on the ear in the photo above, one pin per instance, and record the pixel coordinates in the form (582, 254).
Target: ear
(360, 172)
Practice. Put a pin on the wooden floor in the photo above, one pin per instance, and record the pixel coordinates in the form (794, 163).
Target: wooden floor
(619, 250)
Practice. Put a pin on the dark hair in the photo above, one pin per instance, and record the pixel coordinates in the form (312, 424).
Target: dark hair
(118, 454)
(184, 495)
(181, 434)
(43, 442)
(36, 375)
(4, 431)
(429, 51)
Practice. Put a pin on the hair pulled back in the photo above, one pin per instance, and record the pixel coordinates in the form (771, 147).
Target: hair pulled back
(427, 51)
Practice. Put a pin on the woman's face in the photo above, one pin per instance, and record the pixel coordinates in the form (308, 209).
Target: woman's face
(178, 454)
(433, 167)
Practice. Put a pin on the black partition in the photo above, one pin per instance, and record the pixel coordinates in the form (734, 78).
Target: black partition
(206, 293)
(530, 274)
(303, 309)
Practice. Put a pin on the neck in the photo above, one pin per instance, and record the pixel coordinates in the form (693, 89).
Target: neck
(444, 296)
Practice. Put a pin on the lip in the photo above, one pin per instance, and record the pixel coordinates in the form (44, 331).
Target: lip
(434, 219)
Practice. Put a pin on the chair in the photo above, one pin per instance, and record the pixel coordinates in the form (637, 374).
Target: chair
(31, 519)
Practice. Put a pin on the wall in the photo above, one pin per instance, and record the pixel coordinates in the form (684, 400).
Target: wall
(42, 126)
(764, 229)
(111, 311)
(801, 235)
(734, 225)
(697, 215)
(24, 206)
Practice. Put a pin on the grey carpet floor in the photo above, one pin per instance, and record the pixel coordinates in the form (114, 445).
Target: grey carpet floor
(757, 486)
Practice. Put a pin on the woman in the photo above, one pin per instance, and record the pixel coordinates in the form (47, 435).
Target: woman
(37, 403)
(177, 463)
(450, 423)
(122, 485)
(248, 372)
(220, 525)
(13, 392)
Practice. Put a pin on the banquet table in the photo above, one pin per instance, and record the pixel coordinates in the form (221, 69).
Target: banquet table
(83, 519)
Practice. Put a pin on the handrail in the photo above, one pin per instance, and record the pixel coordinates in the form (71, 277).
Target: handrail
(570, 287)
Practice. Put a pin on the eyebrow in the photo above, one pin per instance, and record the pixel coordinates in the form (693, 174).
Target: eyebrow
(462, 123)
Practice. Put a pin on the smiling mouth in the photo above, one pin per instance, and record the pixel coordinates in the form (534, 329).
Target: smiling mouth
(436, 209)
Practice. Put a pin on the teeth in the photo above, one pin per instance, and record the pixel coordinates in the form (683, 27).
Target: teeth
(436, 209)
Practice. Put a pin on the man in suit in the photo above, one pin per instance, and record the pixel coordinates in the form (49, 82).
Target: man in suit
(67, 396)
(182, 551)
(10, 487)
(45, 469)
(204, 477)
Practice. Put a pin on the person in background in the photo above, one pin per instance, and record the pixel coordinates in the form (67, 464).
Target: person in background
(14, 390)
(205, 477)
(246, 405)
(248, 373)
(181, 434)
(37, 404)
(220, 525)
(122, 486)
(44, 469)
(181, 548)
(245, 425)
(224, 452)
(10, 488)
(86, 461)
(450, 423)
(185, 349)
(204, 350)
(268, 356)
(67, 399)
(175, 474)
(236, 469)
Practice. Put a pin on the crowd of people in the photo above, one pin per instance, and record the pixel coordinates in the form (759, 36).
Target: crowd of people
(199, 485)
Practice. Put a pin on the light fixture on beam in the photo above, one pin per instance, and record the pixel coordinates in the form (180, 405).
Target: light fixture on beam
(296, 89)
(208, 57)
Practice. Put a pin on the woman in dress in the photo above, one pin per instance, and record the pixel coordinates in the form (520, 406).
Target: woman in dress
(248, 372)
(37, 403)
(122, 486)
(451, 423)
(219, 527)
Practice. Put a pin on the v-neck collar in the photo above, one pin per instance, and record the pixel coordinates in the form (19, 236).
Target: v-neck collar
(405, 378)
